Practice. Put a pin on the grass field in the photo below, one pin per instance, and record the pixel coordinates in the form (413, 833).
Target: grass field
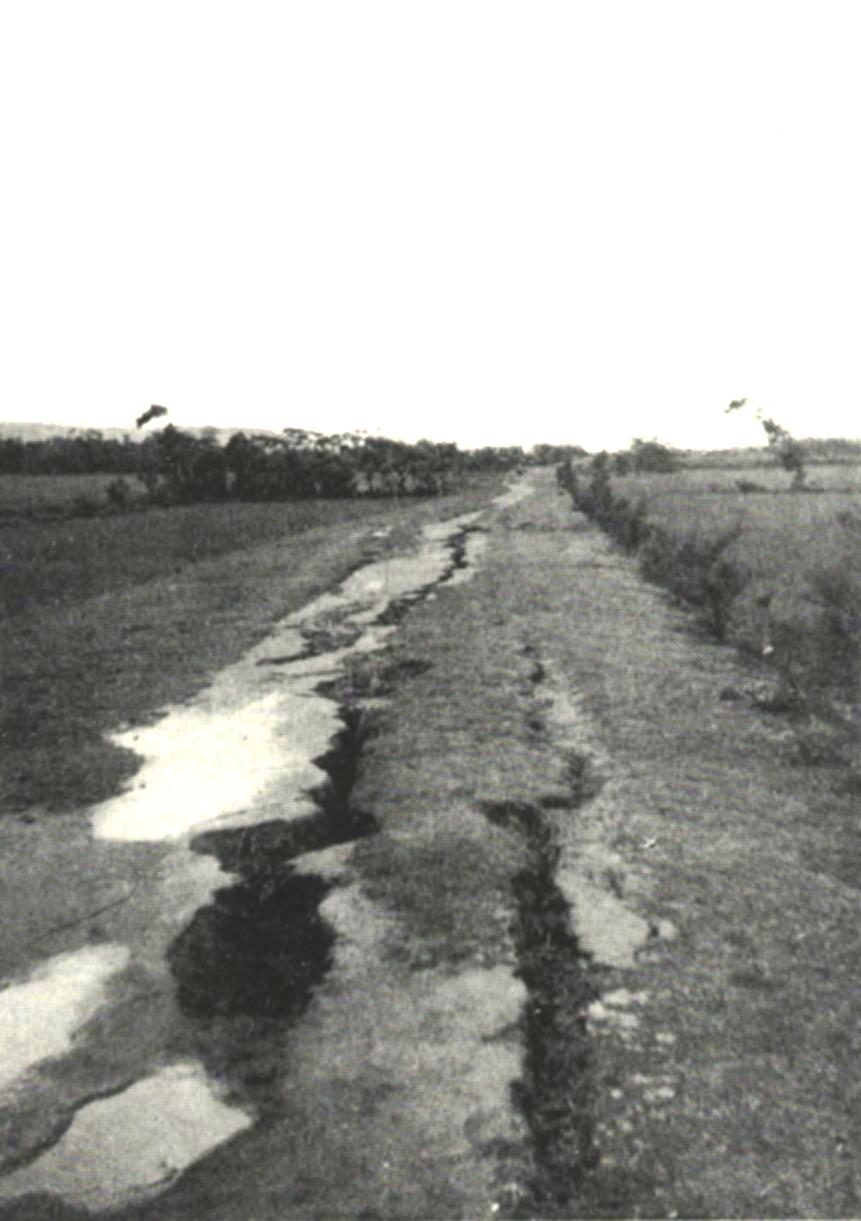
(107, 619)
(783, 533)
(787, 541)
(824, 479)
(45, 563)
(24, 495)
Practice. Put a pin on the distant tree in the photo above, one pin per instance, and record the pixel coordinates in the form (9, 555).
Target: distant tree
(12, 456)
(653, 457)
(552, 455)
(790, 453)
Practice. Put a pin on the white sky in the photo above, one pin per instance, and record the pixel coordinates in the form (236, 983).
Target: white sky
(490, 222)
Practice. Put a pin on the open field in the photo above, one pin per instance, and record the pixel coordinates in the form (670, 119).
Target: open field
(783, 533)
(42, 495)
(819, 451)
(839, 478)
(786, 537)
(107, 619)
(49, 563)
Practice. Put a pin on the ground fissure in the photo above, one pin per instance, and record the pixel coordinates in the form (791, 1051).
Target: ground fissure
(261, 947)
(559, 914)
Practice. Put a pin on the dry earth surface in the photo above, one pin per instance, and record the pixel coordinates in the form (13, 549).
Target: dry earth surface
(564, 933)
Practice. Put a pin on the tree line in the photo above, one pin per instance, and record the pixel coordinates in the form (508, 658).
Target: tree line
(178, 466)
(81, 453)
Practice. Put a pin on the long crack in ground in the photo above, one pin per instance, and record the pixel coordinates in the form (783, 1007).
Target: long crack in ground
(556, 1088)
(250, 959)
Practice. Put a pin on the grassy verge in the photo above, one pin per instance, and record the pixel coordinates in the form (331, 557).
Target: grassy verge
(117, 617)
(776, 573)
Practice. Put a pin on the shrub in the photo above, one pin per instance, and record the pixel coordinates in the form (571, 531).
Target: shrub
(600, 489)
(836, 657)
(694, 568)
(790, 453)
(565, 476)
(748, 485)
(652, 457)
(698, 571)
(119, 493)
(627, 523)
(723, 581)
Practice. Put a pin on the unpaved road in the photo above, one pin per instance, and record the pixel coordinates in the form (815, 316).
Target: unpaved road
(463, 894)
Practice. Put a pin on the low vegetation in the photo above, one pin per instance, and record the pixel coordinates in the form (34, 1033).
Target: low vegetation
(695, 568)
(777, 574)
(51, 496)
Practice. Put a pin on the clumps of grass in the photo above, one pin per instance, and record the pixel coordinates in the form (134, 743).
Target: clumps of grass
(812, 646)
(850, 519)
(823, 743)
(581, 778)
(119, 494)
(696, 569)
(836, 591)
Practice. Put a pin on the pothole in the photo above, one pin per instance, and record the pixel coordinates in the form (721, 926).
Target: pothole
(260, 947)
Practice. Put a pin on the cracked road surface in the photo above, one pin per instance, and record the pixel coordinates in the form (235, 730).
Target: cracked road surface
(461, 895)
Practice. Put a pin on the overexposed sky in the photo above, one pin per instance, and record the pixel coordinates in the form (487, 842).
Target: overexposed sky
(488, 222)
